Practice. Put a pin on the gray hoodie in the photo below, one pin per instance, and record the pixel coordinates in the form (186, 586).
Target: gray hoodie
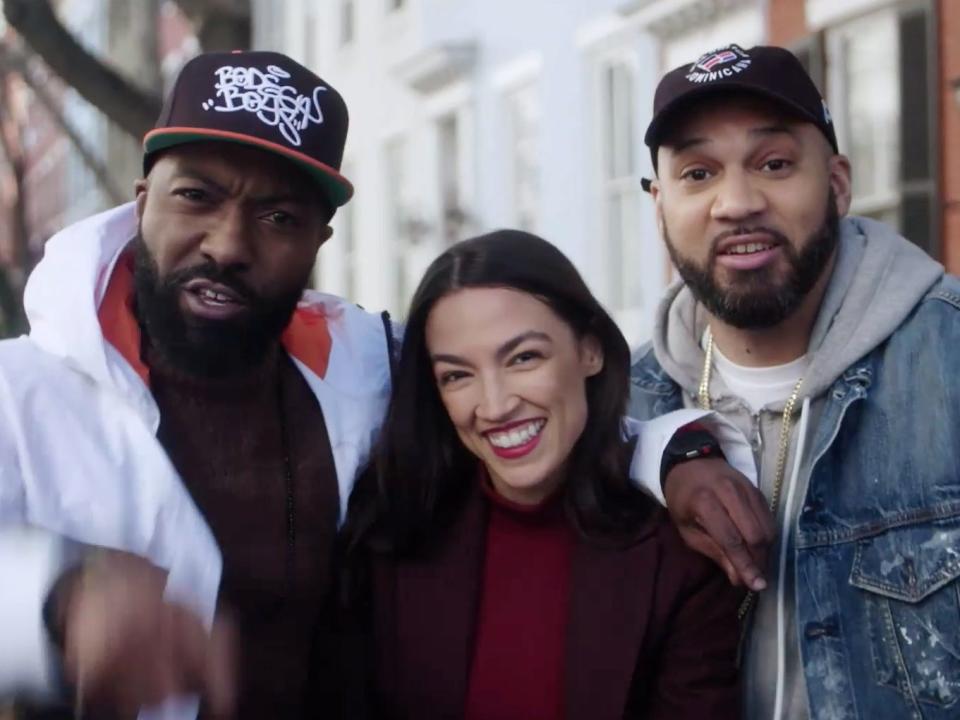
(878, 279)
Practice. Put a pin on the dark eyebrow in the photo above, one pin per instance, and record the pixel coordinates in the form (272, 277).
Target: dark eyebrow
(774, 130)
(283, 196)
(502, 351)
(192, 174)
(290, 196)
(687, 143)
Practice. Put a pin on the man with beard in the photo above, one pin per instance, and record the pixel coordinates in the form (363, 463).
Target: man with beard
(190, 399)
(831, 342)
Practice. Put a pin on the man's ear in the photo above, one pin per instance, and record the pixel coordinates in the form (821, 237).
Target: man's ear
(140, 194)
(841, 181)
(657, 195)
(591, 355)
(324, 234)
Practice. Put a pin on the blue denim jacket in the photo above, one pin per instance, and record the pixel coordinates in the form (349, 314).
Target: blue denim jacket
(878, 534)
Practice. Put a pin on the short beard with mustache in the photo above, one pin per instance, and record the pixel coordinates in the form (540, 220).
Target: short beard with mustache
(197, 346)
(754, 300)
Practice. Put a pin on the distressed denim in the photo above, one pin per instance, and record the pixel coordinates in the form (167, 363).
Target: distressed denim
(878, 534)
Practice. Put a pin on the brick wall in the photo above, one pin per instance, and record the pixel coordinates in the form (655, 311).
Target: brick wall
(949, 26)
(786, 22)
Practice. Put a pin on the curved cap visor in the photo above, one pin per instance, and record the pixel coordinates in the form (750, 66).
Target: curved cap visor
(334, 186)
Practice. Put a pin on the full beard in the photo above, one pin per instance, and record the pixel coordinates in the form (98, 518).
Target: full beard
(756, 299)
(199, 346)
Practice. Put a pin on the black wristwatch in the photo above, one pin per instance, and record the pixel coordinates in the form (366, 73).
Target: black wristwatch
(685, 445)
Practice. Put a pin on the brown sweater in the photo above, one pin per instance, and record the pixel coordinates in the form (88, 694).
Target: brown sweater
(226, 440)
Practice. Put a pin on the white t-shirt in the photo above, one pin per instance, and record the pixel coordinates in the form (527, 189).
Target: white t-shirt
(759, 386)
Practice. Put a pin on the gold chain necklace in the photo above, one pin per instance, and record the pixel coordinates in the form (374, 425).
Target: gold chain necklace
(703, 398)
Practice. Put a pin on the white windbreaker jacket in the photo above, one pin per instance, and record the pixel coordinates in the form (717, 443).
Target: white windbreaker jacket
(79, 459)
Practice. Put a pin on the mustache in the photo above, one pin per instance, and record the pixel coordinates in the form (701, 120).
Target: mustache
(778, 236)
(214, 273)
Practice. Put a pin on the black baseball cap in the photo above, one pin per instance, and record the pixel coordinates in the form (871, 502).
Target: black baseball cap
(264, 100)
(770, 72)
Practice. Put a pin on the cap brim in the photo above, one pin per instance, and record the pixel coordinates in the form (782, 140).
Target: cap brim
(653, 137)
(334, 186)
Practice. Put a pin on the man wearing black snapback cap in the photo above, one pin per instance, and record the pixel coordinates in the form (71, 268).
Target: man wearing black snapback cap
(831, 342)
(184, 401)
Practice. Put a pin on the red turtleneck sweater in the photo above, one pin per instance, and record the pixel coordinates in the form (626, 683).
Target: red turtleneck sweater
(519, 646)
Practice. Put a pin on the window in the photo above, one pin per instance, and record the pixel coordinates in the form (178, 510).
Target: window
(880, 80)
(810, 54)
(347, 237)
(621, 181)
(397, 225)
(919, 208)
(743, 25)
(523, 111)
(452, 216)
(865, 99)
(347, 21)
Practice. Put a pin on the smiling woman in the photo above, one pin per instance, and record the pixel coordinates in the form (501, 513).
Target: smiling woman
(499, 563)
(512, 377)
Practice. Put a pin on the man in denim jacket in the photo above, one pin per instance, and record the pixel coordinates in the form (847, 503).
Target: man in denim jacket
(832, 342)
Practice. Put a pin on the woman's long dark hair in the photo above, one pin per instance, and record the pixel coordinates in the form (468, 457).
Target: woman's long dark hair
(420, 471)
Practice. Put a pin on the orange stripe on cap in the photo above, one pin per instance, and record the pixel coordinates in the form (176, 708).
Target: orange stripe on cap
(307, 337)
(255, 141)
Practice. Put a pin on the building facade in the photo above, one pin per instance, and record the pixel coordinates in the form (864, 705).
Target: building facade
(468, 115)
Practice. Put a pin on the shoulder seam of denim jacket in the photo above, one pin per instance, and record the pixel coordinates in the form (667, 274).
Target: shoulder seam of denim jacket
(947, 290)
(647, 379)
(641, 353)
(647, 374)
(948, 297)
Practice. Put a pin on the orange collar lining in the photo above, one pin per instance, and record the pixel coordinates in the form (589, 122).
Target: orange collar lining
(306, 338)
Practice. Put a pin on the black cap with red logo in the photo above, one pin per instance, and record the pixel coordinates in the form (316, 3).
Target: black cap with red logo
(773, 73)
(261, 99)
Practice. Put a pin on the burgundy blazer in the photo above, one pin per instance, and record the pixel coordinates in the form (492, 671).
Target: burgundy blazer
(652, 634)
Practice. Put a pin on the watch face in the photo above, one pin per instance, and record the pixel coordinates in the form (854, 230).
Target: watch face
(688, 445)
(694, 444)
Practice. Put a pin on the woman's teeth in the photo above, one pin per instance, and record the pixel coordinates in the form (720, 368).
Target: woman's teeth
(517, 436)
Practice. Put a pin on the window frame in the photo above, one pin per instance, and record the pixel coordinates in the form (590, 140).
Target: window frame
(622, 281)
(903, 194)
